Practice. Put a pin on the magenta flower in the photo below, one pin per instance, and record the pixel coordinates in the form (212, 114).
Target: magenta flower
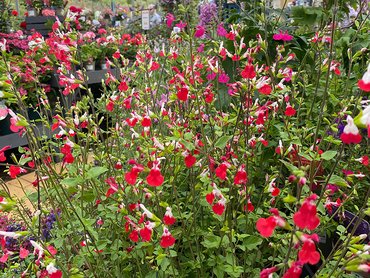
(170, 18)
(221, 30)
(181, 25)
(199, 32)
(223, 78)
(282, 36)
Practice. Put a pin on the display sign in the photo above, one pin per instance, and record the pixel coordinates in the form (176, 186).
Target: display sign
(145, 19)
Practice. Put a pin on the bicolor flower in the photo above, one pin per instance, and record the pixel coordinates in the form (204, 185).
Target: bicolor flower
(362, 120)
(167, 240)
(364, 82)
(168, 218)
(350, 133)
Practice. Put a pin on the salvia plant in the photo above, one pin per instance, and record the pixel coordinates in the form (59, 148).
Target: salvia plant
(212, 155)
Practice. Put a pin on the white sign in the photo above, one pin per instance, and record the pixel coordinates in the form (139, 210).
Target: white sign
(145, 19)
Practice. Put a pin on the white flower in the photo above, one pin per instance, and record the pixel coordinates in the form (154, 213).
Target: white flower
(9, 234)
(50, 268)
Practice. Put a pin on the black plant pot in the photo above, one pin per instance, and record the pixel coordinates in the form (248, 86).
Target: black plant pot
(5, 126)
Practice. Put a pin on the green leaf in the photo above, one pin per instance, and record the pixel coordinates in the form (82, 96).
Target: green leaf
(221, 142)
(290, 167)
(289, 199)
(334, 179)
(252, 242)
(328, 155)
(71, 182)
(95, 172)
(211, 241)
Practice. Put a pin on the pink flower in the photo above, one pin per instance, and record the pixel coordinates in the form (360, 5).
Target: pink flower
(282, 36)
(199, 32)
(181, 25)
(221, 30)
(2, 155)
(223, 78)
(170, 18)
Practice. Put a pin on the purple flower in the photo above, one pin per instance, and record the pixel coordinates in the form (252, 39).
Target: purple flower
(208, 14)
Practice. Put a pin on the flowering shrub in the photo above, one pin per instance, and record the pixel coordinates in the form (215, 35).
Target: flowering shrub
(201, 169)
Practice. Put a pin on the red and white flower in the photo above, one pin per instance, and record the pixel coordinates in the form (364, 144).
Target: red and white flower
(168, 218)
(167, 240)
(364, 82)
(350, 133)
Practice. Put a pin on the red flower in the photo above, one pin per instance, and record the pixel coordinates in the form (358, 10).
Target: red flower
(134, 236)
(294, 271)
(167, 240)
(248, 72)
(219, 207)
(52, 250)
(131, 177)
(306, 216)
(123, 87)
(2, 155)
(14, 171)
(265, 273)
(290, 111)
(110, 106)
(266, 226)
(350, 133)
(168, 218)
(56, 274)
(182, 94)
(14, 13)
(308, 253)
(113, 186)
(155, 177)
(221, 171)
(154, 66)
(116, 55)
(190, 161)
(23, 25)
(210, 198)
(265, 89)
(147, 231)
(241, 176)
(146, 122)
